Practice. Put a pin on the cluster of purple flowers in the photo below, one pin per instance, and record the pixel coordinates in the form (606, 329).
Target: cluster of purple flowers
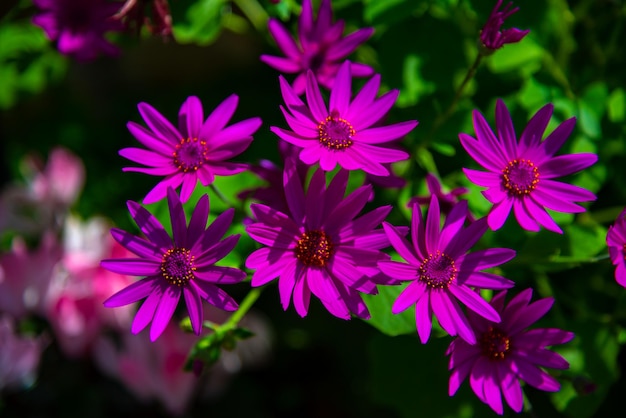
(315, 238)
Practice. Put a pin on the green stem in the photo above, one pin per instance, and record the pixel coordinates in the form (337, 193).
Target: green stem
(244, 307)
(443, 117)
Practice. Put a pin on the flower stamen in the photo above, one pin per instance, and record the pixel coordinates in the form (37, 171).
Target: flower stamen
(177, 266)
(314, 248)
(334, 132)
(520, 177)
(495, 344)
(190, 154)
(438, 271)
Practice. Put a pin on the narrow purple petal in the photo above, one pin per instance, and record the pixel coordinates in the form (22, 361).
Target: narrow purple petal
(409, 297)
(190, 117)
(158, 123)
(364, 99)
(216, 296)
(453, 224)
(348, 44)
(474, 302)
(479, 373)
(541, 216)
(293, 190)
(557, 138)
(198, 221)
(287, 281)
(467, 238)
(177, 218)
(220, 275)
(566, 191)
(341, 92)
(499, 213)
(451, 317)
(511, 388)
(523, 216)
(564, 165)
(492, 393)
(194, 307)
(533, 133)
(458, 375)
(506, 132)
(146, 311)
(401, 245)
(165, 310)
(314, 98)
(385, 133)
(423, 317)
(132, 293)
(488, 140)
(485, 281)
(131, 266)
(483, 178)
(214, 232)
(141, 247)
(481, 154)
(543, 337)
(484, 259)
(161, 145)
(365, 114)
(301, 292)
(145, 157)
(536, 377)
(159, 191)
(284, 65)
(218, 119)
(283, 39)
(433, 220)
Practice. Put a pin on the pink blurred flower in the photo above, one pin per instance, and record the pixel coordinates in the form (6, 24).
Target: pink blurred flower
(25, 276)
(50, 190)
(19, 356)
(80, 286)
(322, 47)
(133, 13)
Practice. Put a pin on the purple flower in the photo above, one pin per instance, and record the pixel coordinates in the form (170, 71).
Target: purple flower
(492, 36)
(183, 265)
(441, 272)
(197, 150)
(322, 48)
(133, 14)
(616, 241)
(341, 134)
(506, 352)
(446, 200)
(79, 26)
(318, 246)
(521, 173)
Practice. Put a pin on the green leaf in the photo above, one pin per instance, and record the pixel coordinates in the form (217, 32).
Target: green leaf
(414, 85)
(524, 57)
(380, 309)
(586, 240)
(202, 23)
(617, 105)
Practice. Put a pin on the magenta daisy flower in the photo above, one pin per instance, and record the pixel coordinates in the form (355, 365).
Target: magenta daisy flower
(492, 36)
(342, 134)
(616, 241)
(521, 173)
(79, 26)
(506, 352)
(197, 150)
(318, 246)
(322, 47)
(442, 273)
(182, 265)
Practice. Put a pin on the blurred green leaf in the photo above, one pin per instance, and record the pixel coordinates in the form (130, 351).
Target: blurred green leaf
(524, 57)
(617, 105)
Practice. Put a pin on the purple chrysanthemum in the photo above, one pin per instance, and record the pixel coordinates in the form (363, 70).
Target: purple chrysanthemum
(322, 47)
(616, 241)
(342, 134)
(182, 265)
(441, 272)
(195, 151)
(492, 36)
(446, 200)
(521, 174)
(79, 26)
(318, 246)
(506, 352)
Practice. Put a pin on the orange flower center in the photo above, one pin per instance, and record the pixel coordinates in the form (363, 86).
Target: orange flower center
(334, 132)
(520, 177)
(314, 248)
(190, 154)
(177, 266)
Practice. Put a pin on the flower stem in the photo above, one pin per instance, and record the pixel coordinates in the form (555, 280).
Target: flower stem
(443, 117)
(221, 196)
(244, 307)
